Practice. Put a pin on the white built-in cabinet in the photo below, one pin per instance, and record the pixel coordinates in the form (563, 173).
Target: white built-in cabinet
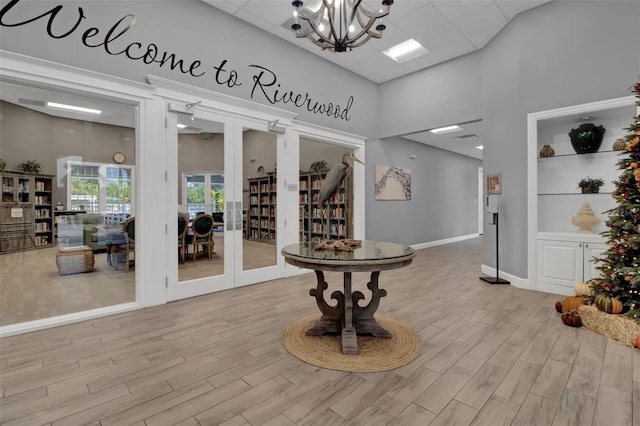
(559, 255)
(564, 259)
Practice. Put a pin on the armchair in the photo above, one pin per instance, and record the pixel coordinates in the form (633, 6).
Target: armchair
(128, 247)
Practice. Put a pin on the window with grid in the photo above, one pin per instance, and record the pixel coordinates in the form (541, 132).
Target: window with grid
(100, 188)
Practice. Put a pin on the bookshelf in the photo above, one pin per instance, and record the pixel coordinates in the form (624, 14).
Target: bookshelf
(261, 215)
(26, 213)
(312, 224)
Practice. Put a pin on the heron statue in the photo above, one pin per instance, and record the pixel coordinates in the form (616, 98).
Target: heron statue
(332, 182)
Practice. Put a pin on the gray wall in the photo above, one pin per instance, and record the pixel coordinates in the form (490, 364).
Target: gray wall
(194, 30)
(559, 54)
(444, 188)
(30, 135)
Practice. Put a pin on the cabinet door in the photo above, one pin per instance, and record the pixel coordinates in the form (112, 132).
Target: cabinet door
(592, 250)
(560, 265)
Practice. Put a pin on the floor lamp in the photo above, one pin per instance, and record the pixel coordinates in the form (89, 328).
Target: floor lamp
(492, 208)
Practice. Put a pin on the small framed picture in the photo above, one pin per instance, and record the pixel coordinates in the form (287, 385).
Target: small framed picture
(494, 183)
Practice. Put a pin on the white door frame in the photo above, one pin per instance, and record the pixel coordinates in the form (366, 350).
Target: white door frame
(238, 113)
(481, 202)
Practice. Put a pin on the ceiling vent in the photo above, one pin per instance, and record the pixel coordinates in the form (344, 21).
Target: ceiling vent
(470, 135)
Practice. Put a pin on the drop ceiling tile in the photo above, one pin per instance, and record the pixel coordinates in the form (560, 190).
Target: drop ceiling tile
(438, 38)
(453, 9)
(255, 20)
(403, 8)
(481, 19)
(479, 40)
(384, 66)
(274, 12)
(426, 16)
(511, 8)
(229, 6)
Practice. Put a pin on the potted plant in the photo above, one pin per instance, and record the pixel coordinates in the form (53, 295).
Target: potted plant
(318, 166)
(31, 166)
(590, 185)
(3, 165)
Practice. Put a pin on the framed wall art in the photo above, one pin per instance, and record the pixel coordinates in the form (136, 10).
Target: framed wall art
(392, 183)
(494, 183)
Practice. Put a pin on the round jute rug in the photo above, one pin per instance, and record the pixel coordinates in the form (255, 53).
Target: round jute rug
(374, 354)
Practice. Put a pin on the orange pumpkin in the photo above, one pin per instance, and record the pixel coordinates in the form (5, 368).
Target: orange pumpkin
(571, 303)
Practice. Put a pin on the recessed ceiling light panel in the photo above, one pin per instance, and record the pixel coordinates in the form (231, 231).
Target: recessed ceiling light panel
(447, 129)
(406, 51)
(73, 108)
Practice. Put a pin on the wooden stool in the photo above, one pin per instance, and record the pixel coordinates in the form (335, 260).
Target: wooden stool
(74, 260)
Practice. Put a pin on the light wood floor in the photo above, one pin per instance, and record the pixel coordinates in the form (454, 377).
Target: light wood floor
(31, 287)
(491, 355)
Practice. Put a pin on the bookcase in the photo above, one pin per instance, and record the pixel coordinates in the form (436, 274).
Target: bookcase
(261, 214)
(43, 211)
(313, 226)
(26, 213)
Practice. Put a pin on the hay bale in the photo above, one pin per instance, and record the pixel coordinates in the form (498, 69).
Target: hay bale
(617, 327)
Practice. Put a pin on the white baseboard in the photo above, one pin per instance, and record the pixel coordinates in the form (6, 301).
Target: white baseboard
(41, 324)
(515, 281)
(445, 241)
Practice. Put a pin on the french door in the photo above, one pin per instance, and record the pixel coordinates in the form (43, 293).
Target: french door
(217, 159)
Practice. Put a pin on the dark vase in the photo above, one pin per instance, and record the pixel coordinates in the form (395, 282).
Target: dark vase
(587, 138)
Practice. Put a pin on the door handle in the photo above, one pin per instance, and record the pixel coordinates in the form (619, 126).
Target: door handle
(229, 219)
(238, 215)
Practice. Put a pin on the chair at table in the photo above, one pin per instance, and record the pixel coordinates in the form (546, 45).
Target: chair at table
(218, 217)
(129, 245)
(202, 227)
(183, 224)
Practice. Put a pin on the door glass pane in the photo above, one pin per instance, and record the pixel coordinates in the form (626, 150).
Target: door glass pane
(201, 198)
(260, 199)
(61, 228)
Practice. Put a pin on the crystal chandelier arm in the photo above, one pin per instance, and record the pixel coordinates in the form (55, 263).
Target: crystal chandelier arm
(337, 37)
(331, 12)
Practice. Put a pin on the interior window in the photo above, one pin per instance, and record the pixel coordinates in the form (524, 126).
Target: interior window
(96, 188)
(199, 199)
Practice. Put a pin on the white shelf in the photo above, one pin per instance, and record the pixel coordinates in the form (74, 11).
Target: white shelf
(554, 196)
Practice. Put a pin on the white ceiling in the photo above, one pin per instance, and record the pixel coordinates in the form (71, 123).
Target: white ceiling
(447, 28)
(463, 141)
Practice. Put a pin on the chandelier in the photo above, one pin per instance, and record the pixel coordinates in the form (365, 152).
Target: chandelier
(339, 25)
